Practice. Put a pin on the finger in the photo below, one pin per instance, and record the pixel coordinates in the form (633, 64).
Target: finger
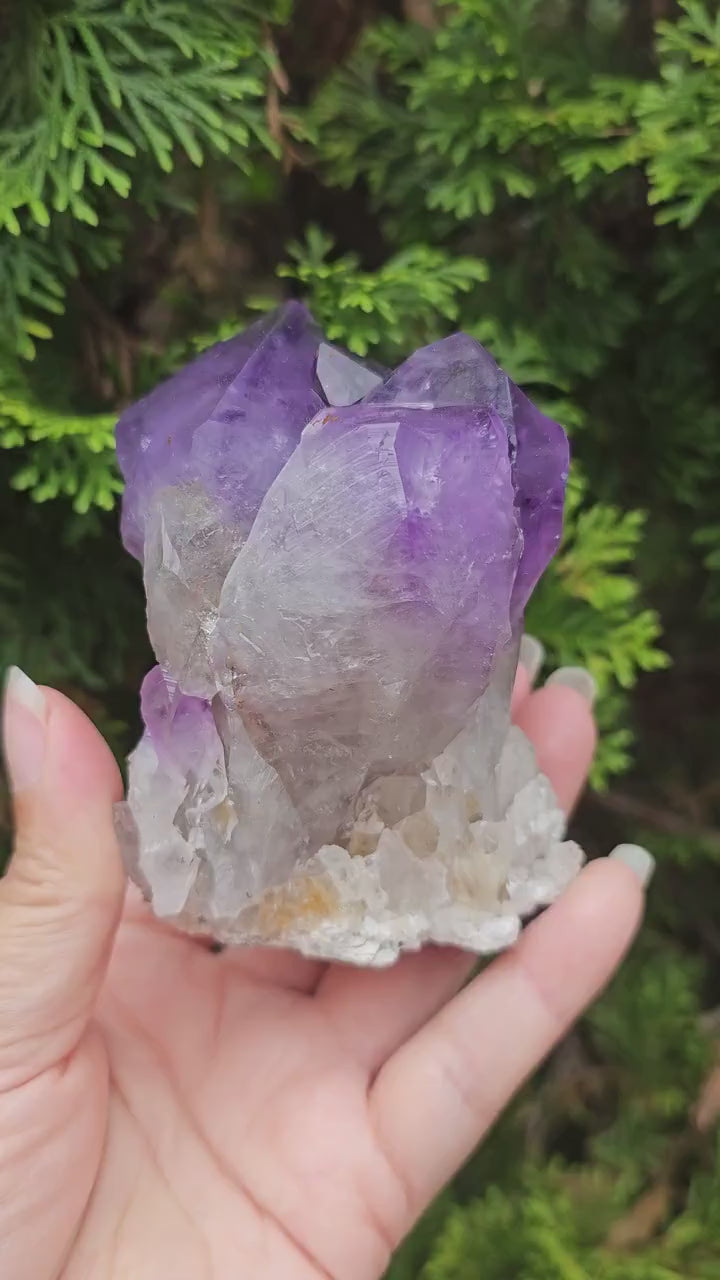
(521, 691)
(532, 656)
(62, 895)
(558, 721)
(374, 1012)
(451, 1080)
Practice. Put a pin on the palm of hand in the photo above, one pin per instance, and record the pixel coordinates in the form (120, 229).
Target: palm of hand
(180, 1115)
(239, 1124)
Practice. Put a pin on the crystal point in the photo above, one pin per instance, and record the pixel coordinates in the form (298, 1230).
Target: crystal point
(343, 380)
(336, 566)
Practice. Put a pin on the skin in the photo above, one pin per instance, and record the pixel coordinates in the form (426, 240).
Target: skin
(169, 1112)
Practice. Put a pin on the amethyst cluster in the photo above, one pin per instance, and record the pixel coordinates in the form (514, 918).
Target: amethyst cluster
(336, 562)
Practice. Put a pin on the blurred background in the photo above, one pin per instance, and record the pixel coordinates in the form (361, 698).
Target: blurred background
(544, 174)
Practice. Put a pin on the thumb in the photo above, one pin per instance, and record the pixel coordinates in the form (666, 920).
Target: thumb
(61, 899)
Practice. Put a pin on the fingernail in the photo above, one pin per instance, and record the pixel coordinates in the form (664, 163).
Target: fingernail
(532, 656)
(24, 717)
(640, 862)
(577, 678)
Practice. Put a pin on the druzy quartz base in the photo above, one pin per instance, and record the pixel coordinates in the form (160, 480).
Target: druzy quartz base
(336, 563)
(457, 856)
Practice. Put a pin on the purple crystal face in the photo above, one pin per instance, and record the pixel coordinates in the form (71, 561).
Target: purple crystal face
(336, 567)
(181, 728)
(459, 372)
(228, 421)
(364, 614)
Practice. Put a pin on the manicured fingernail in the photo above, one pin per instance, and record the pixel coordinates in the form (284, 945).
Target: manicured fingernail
(532, 656)
(577, 678)
(24, 719)
(640, 862)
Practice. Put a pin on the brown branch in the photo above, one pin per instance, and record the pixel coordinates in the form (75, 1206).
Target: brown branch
(643, 1220)
(579, 15)
(278, 84)
(422, 12)
(651, 815)
(106, 328)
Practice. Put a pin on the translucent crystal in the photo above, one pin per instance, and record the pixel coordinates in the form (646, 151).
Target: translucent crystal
(336, 564)
(343, 380)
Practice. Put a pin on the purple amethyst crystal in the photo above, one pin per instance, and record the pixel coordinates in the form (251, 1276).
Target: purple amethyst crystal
(227, 422)
(336, 567)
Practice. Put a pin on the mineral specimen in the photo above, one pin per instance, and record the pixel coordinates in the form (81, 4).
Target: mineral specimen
(337, 562)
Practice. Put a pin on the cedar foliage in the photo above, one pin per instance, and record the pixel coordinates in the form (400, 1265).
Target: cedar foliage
(546, 175)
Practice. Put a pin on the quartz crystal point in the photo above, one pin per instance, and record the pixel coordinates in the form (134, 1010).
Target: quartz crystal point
(336, 563)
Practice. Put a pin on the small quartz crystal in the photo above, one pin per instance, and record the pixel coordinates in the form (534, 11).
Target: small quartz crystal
(337, 560)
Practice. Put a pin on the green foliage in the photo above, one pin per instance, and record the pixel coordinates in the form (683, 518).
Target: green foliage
(87, 90)
(97, 82)
(74, 454)
(587, 610)
(406, 303)
(70, 608)
(536, 1234)
(93, 94)
(658, 993)
(480, 118)
(545, 175)
(29, 283)
(679, 115)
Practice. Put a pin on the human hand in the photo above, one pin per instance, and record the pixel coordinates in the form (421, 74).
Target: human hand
(167, 1113)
